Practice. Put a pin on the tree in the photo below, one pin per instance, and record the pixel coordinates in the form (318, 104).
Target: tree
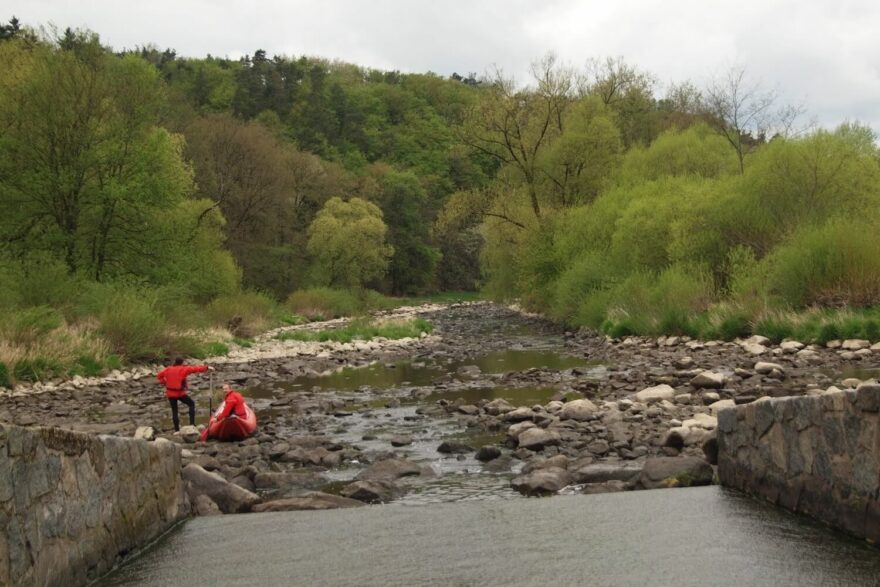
(626, 91)
(516, 126)
(347, 243)
(745, 114)
(85, 172)
(404, 204)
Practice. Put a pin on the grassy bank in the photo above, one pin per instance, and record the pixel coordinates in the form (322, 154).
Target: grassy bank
(363, 329)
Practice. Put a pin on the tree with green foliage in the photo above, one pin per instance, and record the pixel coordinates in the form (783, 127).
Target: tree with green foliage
(347, 243)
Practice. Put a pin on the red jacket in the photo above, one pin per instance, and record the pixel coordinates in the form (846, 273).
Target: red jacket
(233, 403)
(174, 379)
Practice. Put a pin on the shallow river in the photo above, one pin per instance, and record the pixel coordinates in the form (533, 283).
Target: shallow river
(680, 537)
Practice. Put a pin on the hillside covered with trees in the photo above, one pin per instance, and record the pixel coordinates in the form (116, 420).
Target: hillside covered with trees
(150, 198)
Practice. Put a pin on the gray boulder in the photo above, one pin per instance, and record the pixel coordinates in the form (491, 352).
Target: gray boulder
(390, 469)
(542, 481)
(377, 491)
(661, 472)
(310, 501)
(488, 453)
(538, 438)
(230, 498)
(607, 471)
(579, 409)
(708, 379)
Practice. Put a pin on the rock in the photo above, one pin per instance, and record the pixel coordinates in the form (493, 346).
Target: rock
(310, 501)
(754, 349)
(611, 486)
(757, 339)
(453, 447)
(390, 469)
(851, 382)
(519, 415)
(710, 449)
(230, 498)
(683, 398)
(542, 481)
(205, 506)
(401, 440)
(514, 431)
(607, 471)
(236, 376)
(488, 453)
(145, 433)
(468, 410)
(579, 409)
(708, 379)
(656, 393)
(661, 472)
(710, 397)
(714, 408)
(599, 447)
(855, 344)
(469, 371)
(537, 438)
(188, 434)
(208, 463)
(498, 407)
(790, 347)
(276, 480)
(833, 344)
(376, 491)
(765, 368)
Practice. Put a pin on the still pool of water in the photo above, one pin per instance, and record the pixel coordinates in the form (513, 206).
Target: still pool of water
(678, 537)
(420, 374)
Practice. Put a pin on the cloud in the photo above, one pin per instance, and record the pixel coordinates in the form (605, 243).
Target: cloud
(823, 54)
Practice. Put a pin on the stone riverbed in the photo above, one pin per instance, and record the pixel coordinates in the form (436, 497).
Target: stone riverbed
(494, 404)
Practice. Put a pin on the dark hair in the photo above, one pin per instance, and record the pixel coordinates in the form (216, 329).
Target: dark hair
(178, 361)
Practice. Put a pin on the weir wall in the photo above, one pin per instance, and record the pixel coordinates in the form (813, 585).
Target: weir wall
(817, 455)
(72, 504)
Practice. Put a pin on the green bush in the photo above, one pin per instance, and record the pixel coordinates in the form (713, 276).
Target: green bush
(26, 327)
(131, 324)
(325, 302)
(88, 366)
(244, 314)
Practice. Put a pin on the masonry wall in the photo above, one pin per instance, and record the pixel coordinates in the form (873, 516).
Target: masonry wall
(818, 455)
(71, 504)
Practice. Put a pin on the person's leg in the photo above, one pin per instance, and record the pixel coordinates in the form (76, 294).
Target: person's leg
(192, 409)
(174, 417)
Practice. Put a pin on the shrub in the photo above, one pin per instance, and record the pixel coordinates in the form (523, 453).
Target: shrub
(244, 314)
(132, 325)
(36, 369)
(335, 303)
(26, 327)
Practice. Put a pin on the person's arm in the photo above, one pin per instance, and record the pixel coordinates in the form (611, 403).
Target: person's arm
(196, 369)
(228, 406)
(161, 376)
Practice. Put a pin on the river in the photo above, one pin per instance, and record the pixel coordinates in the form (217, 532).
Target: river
(681, 537)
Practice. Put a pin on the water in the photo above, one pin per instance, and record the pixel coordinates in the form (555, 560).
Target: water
(681, 537)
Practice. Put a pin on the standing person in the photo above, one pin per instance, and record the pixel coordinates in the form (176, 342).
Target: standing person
(174, 380)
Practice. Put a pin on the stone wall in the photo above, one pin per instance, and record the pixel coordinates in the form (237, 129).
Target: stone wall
(71, 504)
(818, 455)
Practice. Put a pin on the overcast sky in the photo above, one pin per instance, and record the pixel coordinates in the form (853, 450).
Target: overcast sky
(823, 53)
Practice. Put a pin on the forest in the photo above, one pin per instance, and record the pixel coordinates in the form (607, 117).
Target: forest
(157, 204)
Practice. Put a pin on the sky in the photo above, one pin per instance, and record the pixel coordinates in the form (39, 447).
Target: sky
(823, 54)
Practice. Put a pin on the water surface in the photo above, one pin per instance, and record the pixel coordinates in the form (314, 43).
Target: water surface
(679, 537)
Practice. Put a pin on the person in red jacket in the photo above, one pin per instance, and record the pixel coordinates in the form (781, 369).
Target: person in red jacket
(233, 404)
(174, 380)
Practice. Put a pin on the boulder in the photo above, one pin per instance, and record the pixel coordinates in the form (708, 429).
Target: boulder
(766, 368)
(401, 440)
(310, 501)
(707, 380)
(390, 469)
(188, 434)
(661, 472)
(757, 339)
(855, 344)
(715, 407)
(514, 431)
(537, 438)
(656, 394)
(611, 486)
(790, 347)
(273, 480)
(376, 491)
(468, 410)
(754, 349)
(520, 415)
(453, 447)
(579, 409)
(498, 407)
(607, 471)
(542, 481)
(599, 447)
(230, 498)
(488, 453)
(205, 506)
(145, 433)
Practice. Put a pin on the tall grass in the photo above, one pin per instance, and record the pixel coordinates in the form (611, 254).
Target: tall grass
(363, 329)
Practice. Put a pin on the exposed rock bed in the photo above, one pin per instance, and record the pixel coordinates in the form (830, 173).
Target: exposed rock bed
(602, 428)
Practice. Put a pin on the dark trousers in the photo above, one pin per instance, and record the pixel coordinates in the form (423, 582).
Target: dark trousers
(192, 410)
